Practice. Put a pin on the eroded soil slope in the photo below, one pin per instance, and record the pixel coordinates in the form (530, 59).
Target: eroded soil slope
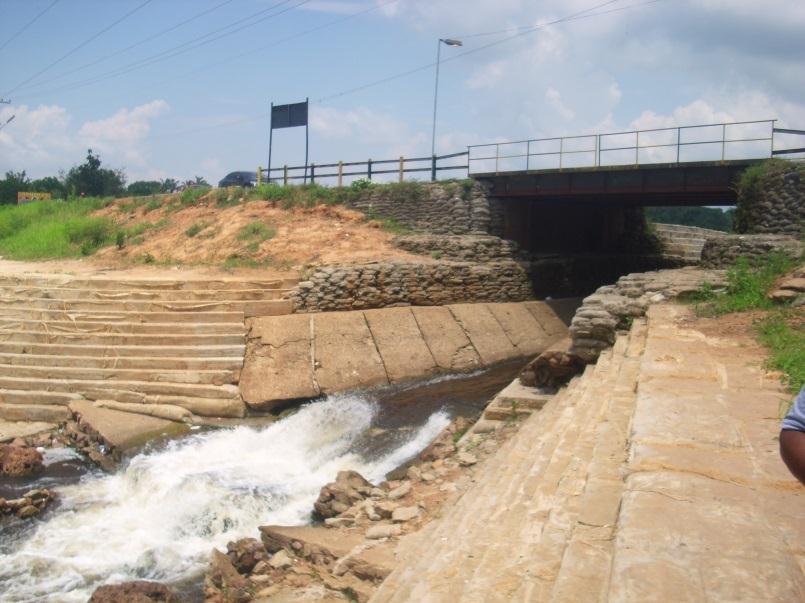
(248, 234)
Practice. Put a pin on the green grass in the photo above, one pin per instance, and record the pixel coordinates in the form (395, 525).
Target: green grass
(54, 229)
(239, 261)
(191, 196)
(747, 286)
(782, 331)
(195, 229)
(784, 334)
(256, 232)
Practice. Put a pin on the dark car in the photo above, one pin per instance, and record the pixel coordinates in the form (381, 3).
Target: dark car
(239, 179)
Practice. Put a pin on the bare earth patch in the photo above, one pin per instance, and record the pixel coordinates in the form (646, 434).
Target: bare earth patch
(301, 236)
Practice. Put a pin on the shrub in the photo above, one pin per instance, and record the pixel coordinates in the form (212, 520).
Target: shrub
(195, 229)
(191, 196)
(256, 231)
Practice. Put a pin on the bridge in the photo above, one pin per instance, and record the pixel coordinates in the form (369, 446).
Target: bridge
(681, 165)
(684, 165)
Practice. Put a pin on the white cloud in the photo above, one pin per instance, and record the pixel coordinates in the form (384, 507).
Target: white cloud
(554, 98)
(488, 75)
(42, 140)
(125, 128)
(334, 6)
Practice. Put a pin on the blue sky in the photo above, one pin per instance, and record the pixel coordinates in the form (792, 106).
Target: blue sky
(179, 104)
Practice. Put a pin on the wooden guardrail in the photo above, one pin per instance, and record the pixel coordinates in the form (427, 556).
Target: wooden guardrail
(369, 169)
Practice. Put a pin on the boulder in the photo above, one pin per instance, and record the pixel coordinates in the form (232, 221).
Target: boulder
(223, 583)
(403, 514)
(400, 491)
(385, 530)
(348, 488)
(245, 554)
(19, 460)
(138, 591)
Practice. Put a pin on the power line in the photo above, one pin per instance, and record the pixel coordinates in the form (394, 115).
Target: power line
(27, 25)
(136, 44)
(573, 17)
(275, 43)
(584, 14)
(81, 45)
(182, 48)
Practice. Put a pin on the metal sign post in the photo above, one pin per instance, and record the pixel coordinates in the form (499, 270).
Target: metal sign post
(289, 116)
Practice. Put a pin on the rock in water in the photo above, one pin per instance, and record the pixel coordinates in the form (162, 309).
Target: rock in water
(19, 460)
(245, 554)
(348, 488)
(223, 583)
(138, 591)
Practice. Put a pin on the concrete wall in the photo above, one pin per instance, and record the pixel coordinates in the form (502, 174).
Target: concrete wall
(303, 356)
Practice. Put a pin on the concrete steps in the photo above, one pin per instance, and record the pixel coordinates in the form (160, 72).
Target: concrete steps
(233, 363)
(513, 536)
(115, 351)
(172, 343)
(73, 326)
(249, 308)
(118, 339)
(169, 295)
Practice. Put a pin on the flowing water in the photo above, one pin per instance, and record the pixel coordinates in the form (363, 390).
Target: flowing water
(161, 514)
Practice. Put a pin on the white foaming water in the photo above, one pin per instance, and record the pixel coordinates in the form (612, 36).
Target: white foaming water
(159, 518)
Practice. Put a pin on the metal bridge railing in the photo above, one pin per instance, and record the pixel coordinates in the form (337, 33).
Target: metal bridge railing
(708, 142)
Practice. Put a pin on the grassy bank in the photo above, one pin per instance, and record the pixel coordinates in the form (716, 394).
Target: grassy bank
(54, 229)
(781, 330)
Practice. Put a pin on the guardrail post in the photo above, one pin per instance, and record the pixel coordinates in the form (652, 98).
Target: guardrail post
(259, 175)
(637, 147)
(312, 173)
(723, 140)
(369, 168)
(340, 174)
(598, 150)
(402, 168)
(433, 168)
(527, 154)
(561, 150)
(285, 175)
(678, 142)
(497, 158)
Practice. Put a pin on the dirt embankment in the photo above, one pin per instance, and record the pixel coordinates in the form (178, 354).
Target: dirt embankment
(246, 234)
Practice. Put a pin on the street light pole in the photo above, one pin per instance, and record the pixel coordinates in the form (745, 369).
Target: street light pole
(448, 42)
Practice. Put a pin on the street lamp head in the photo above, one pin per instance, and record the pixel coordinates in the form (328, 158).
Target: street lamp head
(452, 42)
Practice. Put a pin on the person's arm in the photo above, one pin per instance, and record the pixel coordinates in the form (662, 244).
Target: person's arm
(792, 438)
(792, 449)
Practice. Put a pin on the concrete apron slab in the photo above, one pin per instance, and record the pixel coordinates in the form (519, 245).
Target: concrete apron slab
(125, 431)
(301, 356)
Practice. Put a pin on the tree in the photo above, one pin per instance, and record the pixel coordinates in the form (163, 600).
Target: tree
(11, 185)
(141, 188)
(200, 180)
(49, 184)
(93, 180)
(168, 185)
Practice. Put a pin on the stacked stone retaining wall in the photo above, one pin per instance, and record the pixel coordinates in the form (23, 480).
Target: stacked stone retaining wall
(462, 248)
(442, 208)
(771, 199)
(381, 285)
(721, 252)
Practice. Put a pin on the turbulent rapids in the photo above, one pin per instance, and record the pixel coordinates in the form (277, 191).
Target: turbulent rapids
(159, 517)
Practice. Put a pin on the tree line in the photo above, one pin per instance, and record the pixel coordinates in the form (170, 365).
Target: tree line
(89, 179)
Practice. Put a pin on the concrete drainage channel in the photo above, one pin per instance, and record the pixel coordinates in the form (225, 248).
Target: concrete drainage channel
(174, 348)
